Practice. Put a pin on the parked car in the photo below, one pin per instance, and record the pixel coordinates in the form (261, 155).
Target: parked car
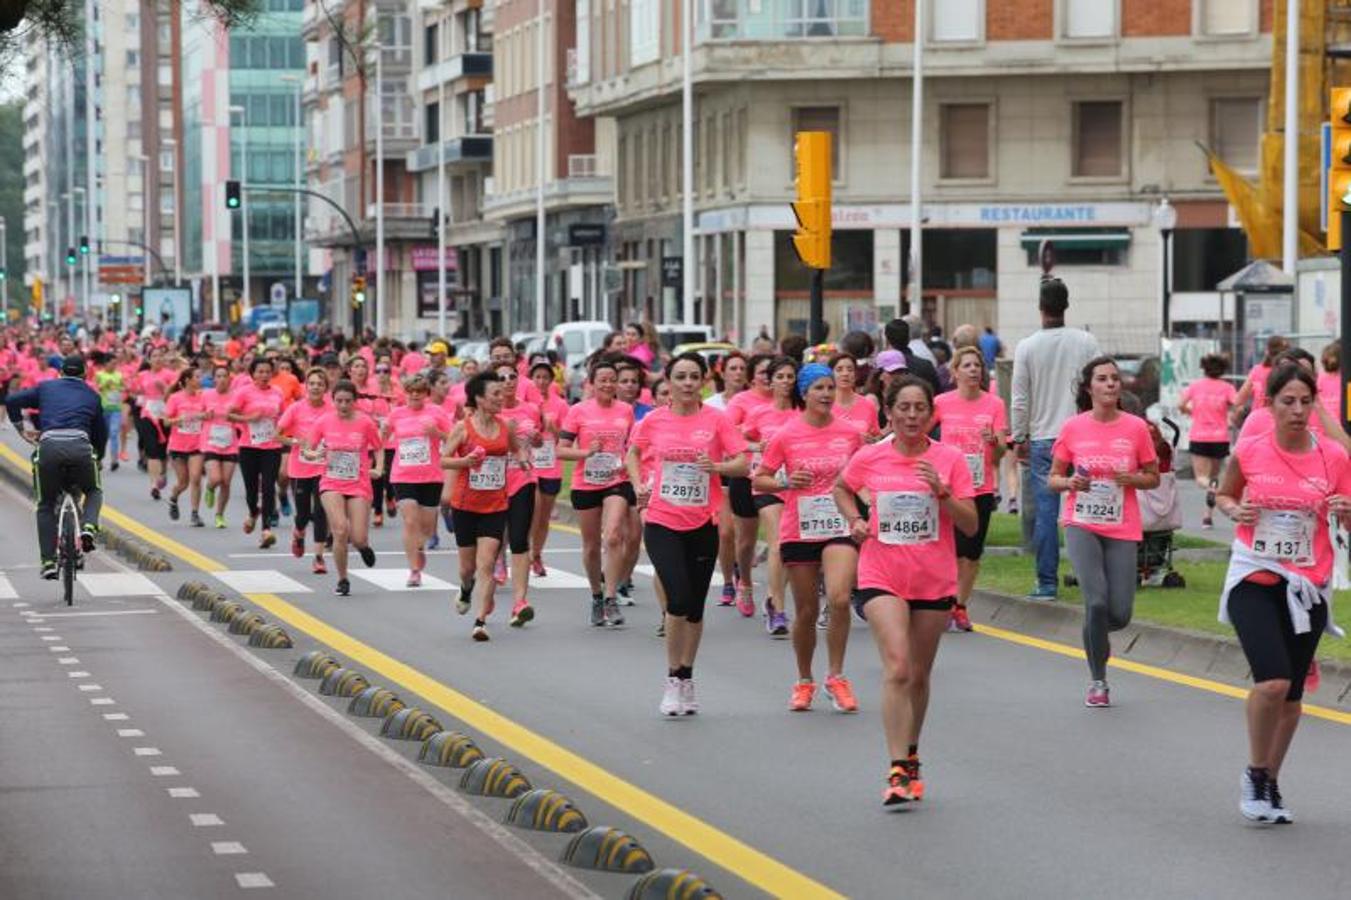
(713, 352)
(672, 335)
(1140, 375)
(574, 342)
(472, 350)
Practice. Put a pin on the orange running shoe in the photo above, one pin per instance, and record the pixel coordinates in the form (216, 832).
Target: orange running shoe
(959, 621)
(841, 694)
(897, 790)
(801, 701)
(916, 783)
(1313, 679)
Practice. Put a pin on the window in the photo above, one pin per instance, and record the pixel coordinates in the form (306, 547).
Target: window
(1236, 131)
(1097, 139)
(166, 160)
(653, 158)
(429, 36)
(431, 123)
(582, 68)
(1088, 19)
(710, 154)
(742, 129)
(133, 59)
(964, 140)
(165, 75)
(622, 156)
(133, 22)
(1078, 246)
(666, 177)
(819, 118)
(958, 259)
(851, 263)
(958, 20)
(1227, 18)
(728, 151)
(644, 31)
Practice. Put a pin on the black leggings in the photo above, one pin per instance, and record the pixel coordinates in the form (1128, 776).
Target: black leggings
(381, 485)
(260, 469)
(520, 513)
(309, 509)
(1262, 621)
(684, 562)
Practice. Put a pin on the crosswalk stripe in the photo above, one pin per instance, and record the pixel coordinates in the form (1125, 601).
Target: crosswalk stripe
(254, 581)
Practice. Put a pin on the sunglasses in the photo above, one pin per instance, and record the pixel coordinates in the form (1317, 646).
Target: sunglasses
(382, 370)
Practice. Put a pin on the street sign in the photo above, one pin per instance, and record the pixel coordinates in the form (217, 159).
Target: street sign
(277, 294)
(586, 235)
(672, 271)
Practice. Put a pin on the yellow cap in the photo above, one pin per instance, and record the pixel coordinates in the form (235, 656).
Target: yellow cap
(438, 347)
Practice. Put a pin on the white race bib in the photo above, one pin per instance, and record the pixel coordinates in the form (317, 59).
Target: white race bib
(599, 468)
(343, 465)
(544, 456)
(818, 518)
(1285, 535)
(190, 426)
(907, 517)
(155, 408)
(221, 435)
(262, 431)
(415, 451)
(1104, 503)
(683, 484)
(489, 475)
(976, 463)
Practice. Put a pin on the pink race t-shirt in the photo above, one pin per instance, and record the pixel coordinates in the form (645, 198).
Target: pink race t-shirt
(1211, 400)
(741, 405)
(150, 388)
(545, 457)
(416, 437)
(264, 405)
(221, 436)
(760, 425)
(588, 422)
(683, 496)
(962, 422)
(911, 552)
(1100, 450)
(1330, 393)
(821, 453)
(1260, 423)
(347, 445)
(1291, 491)
(190, 410)
(297, 422)
(862, 414)
(1258, 378)
(528, 423)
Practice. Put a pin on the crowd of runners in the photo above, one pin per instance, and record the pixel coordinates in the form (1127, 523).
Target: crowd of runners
(861, 476)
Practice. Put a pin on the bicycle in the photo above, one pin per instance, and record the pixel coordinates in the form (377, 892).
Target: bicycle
(68, 556)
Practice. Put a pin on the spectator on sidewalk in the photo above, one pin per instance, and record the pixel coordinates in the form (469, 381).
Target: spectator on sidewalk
(1046, 366)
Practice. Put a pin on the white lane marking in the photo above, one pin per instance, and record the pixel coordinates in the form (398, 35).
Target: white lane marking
(205, 820)
(163, 771)
(116, 717)
(147, 751)
(69, 660)
(43, 628)
(394, 580)
(7, 592)
(77, 674)
(227, 848)
(645, 569)
(557, 578)
(184, 793)
(248, 880)
(130, 732)
(117, 584)
(90, 687)
(59, 649)
(98, 612)
(273, 554)
(261, 581)
(102, 701)
(50, 637)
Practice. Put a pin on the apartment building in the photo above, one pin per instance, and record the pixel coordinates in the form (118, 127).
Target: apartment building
(1044, 120)
(39, 237)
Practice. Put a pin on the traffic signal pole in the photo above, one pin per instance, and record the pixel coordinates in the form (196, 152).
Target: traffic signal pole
(1344, 254)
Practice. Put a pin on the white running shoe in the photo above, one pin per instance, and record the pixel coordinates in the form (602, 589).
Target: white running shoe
(1252, 798)
(1279, 814)
(670, 698)
(689, 704)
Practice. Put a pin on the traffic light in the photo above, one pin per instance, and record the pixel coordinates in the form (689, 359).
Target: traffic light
(115, 299)
(70, 256)
(232, 195)
(358, 289)
(84, 245)
(812, 207)
(1339, 172)
(4, 273)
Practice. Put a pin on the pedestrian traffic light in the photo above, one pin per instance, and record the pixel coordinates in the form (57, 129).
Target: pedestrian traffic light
(70, 256)
(232, 195)
(812, 207)
(358, 289)
(1339, 172)
(84, 245)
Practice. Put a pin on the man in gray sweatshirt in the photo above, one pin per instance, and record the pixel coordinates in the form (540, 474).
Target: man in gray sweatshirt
(1045, 368)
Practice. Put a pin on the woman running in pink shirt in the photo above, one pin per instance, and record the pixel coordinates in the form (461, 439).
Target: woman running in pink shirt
(1209, 401)
(220, 442)
(417, 429)
(548, 468)
(294, 428)
(184, 413)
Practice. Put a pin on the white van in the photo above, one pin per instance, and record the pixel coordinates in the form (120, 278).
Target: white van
(574, 342)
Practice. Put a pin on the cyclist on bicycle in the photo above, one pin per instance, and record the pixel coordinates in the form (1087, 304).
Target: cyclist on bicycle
(71, 437)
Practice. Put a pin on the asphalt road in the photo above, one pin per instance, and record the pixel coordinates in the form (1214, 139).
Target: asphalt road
(1030, 794)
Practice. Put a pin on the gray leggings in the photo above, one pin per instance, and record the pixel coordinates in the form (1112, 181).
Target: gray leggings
(1106, 571)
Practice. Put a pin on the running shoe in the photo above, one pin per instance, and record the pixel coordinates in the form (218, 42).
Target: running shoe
(173, 509)
(154, 493)
(1013, 506)
(625, 597)
(1207, 523)
(267, 540)
(1042, 593)
(87, 535)
(421, 559)
(220, 520)
(500, 570)
(597, 610)
(670, 698)
(801, 698)
(344, 587)
(661, 627)
(367, 555)
(433, 542)
(745, 601)
(521, 613)
(124, 456)
(414, 579)
(49, 570)
(195, 519)
(480, 633)
(1312, 680)
(249, 522)
(613, 616)
(319, 568)
(823, 619)
(1254, 799)
(897, 790)
(1098, 695)
(272, 521)
(959, 621)
(285, 504)
(537, 568)
(379, 520)
(1279, 814)
(114, 465)
(916, 783)
(297, 543)
(841, 694)
(728, 595)
(466, 592)
(141, 465)
(689, 704)
(776, 623)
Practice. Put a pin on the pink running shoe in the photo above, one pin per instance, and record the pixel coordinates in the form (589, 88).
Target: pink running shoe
(745, 603)
(1099, 696)
(500, 571)
(537, 568)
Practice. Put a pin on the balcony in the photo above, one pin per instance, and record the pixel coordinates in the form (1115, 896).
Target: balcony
(470, 149)
(403, 221)
(572, 192)
(780, 20)
(462, 65)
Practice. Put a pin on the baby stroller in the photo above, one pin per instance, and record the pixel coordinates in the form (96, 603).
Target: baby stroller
(1160, 516)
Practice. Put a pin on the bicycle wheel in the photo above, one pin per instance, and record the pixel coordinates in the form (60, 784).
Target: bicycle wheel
(67, 527)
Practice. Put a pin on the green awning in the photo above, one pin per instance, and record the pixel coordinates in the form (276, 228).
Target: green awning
(1080, 238)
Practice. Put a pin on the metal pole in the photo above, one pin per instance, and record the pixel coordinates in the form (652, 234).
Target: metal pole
(244, 203)
(90, 128)
(687, 163)
(70, 177)
(379, 190)
(540, 235)
(440, 211)
(1290, 219)
(818, 306)
(300, 131)
(1345, 256)
(1167, 296)
(4, 264)
(915, 294)
(178, 217)
(145, 212)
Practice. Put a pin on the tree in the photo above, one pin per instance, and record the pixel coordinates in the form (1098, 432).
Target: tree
(59, 21)
(11, 192)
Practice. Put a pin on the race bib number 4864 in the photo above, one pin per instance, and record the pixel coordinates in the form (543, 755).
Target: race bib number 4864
(907, 517)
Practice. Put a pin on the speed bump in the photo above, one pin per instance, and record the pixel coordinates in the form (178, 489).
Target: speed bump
(409, 724)
(672, 884)
(316, 664)
(271, 637)
(450, 749)
(207, 601)
(493, 777)
(374, 703)
(189, 590)
(609, 850)
(246, 623)
(226, 612)
(545, 810)
(343, 683)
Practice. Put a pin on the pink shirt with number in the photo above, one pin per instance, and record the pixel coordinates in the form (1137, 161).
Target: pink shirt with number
(296, 422)
(761, 424)
(917, 565)
(862, 414)
(1276, 479)
(962, 423)
(1211, 400)
(221, 436)
(554, 410)
(150, 388)
(1100, 450)
(528, 421)
(588, 421)
(347, 445)
(190, 410)
(821, 453)
(264, 404)
(417, 454)
(684, 498)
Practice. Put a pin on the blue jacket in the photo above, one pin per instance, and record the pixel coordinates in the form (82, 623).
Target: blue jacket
(63, 403)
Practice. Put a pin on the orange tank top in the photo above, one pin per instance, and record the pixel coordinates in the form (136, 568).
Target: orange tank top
(483, 488)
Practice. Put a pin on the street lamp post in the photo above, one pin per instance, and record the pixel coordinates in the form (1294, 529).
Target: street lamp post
(300, 84)
(145, 210)
(4, 267)
(379, 188)
(243, 192)
(172, 144)
(1165, 220)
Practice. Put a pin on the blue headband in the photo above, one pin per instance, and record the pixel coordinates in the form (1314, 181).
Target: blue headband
(810, 374)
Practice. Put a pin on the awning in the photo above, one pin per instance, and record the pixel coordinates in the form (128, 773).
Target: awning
(1079, 238)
